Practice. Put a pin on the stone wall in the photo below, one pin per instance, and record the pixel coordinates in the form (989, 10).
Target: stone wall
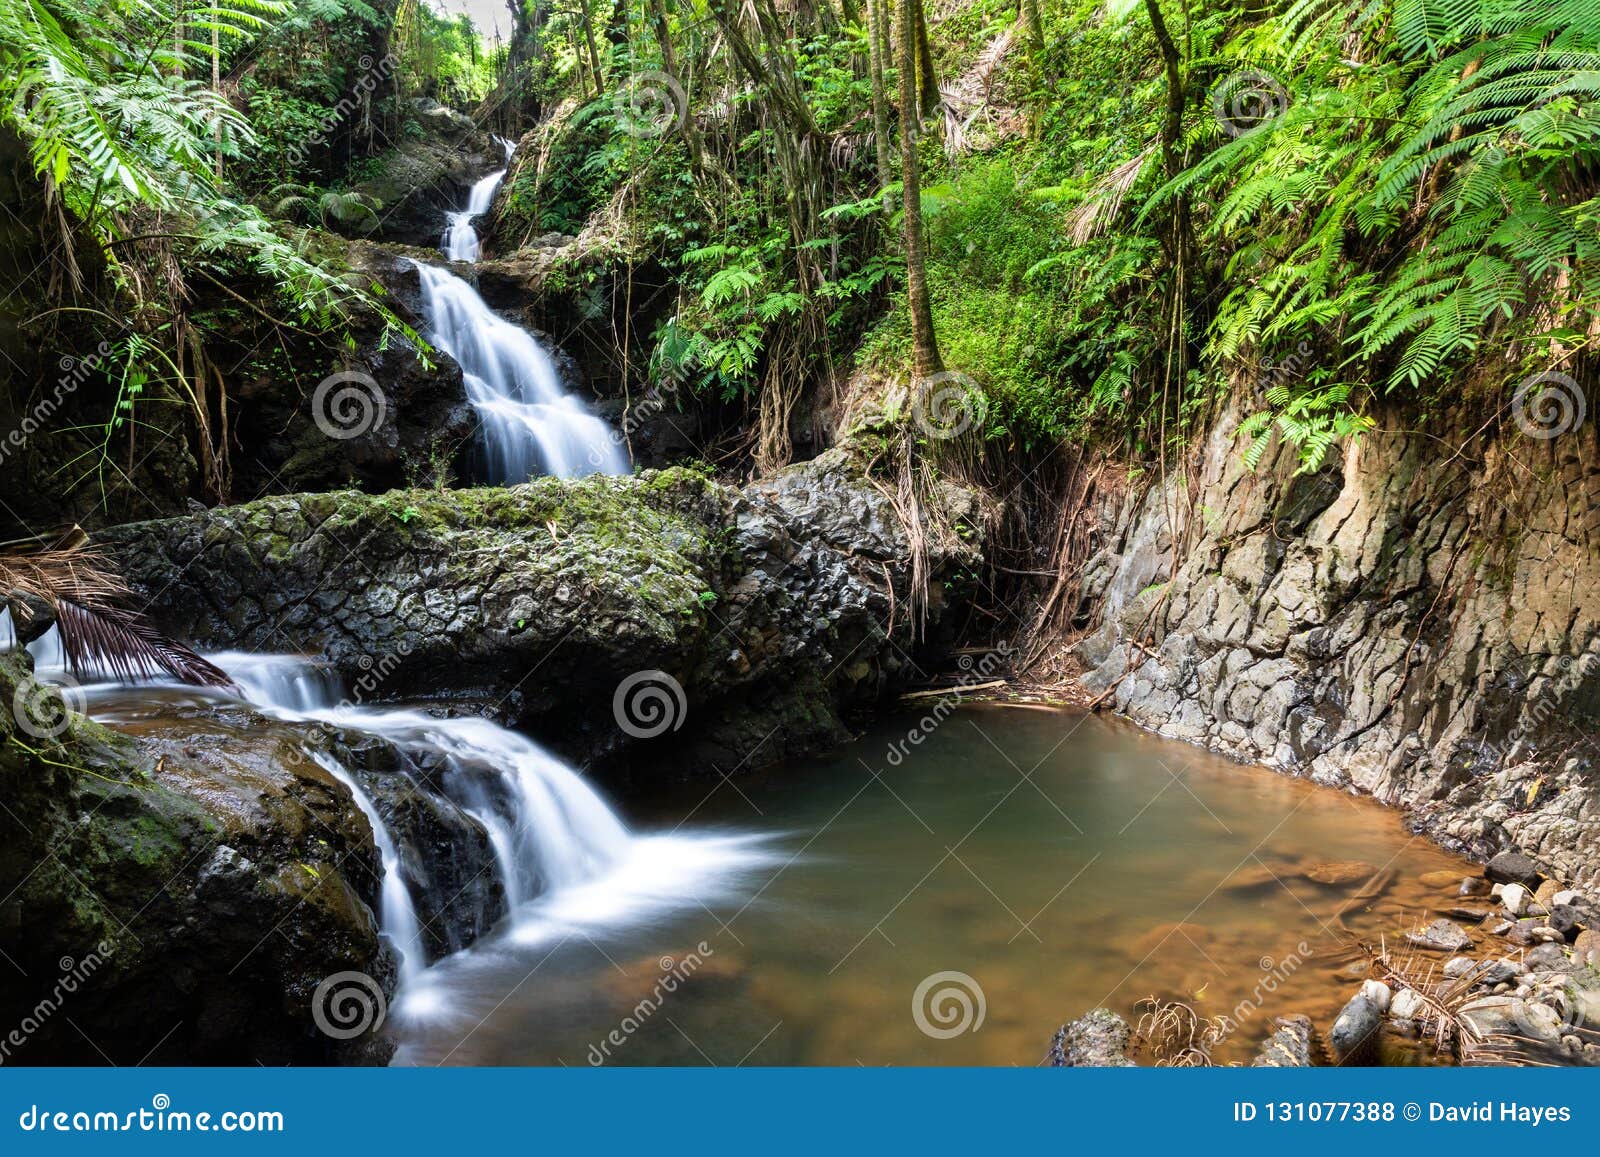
(1419, 620)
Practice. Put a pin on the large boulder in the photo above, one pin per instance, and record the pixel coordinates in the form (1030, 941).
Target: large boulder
(756, 621)
(186, 892)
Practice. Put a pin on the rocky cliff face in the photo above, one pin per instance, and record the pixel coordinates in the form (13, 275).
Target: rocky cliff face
(181, 892)
(1416, 621)
(757, 621)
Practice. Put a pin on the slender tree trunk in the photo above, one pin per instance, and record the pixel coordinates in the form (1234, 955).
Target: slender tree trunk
(586, 12)
(925, 345)
(216, 87)
(877, 42)
(1032, 27)
(927, 77)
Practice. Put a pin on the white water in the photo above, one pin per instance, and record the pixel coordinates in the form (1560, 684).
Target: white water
(568, 864)
(460, 236)
(531, 424)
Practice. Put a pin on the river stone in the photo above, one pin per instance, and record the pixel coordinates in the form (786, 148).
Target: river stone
(1289, 1046)
(1458, 966)
(1441, 936)
(1513, 868)
(1514, 898)
(1491, 1015)
(1586, 948)
(1564, 919)
(1545, 893)
(1097, 1039)
(1354, 1035)
(1470, 915)
(1441, 879)
(1473, 886)
(1408, 1004)
(1339, 873)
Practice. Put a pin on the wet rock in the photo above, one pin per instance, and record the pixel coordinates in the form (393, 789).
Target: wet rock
(1289, 1046)
(1473, 886)
(1513, 868)
(1459, 966)
(1355, 1033)
(1551, 958)
(1098, 1039)
(541, 600)
(212, 877)
(1469, 915)
(1441, 879)
(1408, 1004)
(1440, 936)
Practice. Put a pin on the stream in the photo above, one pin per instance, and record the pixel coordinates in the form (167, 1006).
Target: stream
(942, 894)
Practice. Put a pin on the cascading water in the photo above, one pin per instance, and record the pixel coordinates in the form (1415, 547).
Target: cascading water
(531, 424)
(567, 865)
(460, 236)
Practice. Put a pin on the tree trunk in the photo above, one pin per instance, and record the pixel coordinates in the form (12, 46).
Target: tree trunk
(878, 46)
(586, 13)
(1032, 27)
(925, 346)
(926, 76)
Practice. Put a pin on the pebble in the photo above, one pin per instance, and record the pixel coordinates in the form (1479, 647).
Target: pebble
(1407, 1004)
(1514, 898)
(1473, 886)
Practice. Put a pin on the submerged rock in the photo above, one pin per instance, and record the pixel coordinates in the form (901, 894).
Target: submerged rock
(1441, 936)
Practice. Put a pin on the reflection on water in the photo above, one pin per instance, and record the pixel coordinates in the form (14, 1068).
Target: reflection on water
(1055, 861)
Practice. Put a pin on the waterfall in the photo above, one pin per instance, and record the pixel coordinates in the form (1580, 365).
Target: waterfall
(530, 423)
(460, 237)
(567, 864)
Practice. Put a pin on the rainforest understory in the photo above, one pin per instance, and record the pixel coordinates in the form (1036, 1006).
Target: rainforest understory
(452, 433)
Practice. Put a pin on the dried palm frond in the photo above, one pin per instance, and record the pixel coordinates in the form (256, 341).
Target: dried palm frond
(72, 585)
(1092, 217)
